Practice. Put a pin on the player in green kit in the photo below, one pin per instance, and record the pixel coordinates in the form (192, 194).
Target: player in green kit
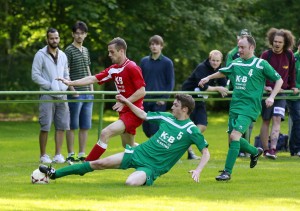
(247, 74)
(156, 156)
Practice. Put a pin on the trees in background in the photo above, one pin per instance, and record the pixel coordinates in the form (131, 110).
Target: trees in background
(190, 28)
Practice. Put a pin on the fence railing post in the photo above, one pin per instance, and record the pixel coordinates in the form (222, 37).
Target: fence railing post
(101, 111)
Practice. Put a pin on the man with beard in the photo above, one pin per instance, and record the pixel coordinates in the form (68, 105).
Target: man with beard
(50, 63)
(130, 83)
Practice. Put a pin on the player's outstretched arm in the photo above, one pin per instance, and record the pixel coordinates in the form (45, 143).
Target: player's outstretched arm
(136, 110)
(80, 82)
(212, 76)
(204, 159)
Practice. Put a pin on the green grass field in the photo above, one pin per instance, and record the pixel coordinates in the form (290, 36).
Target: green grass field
(271, 185)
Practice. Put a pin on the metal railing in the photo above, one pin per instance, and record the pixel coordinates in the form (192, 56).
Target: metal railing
(207, 96)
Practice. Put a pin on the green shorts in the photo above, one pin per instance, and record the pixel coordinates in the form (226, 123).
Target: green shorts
(130, 160)
(239, 123)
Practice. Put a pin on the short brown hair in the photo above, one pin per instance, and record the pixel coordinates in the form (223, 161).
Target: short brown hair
(186, 101)
(250, 40)
(119, 42)
(157, 40)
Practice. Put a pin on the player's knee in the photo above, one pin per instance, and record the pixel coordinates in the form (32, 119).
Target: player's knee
(105, 134)
(133, 182)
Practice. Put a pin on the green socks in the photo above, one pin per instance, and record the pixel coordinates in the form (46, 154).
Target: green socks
(80, 169)
(232, 154)
(246, 147)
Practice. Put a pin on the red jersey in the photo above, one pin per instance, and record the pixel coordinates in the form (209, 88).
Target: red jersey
(127, 77)
(284, 65)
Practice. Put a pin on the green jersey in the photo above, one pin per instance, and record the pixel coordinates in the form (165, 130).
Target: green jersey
(248, 78)
(232, 55)
(297, 58)
(168, 144)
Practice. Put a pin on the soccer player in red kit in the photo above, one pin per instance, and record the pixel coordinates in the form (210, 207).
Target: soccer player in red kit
(129, 82)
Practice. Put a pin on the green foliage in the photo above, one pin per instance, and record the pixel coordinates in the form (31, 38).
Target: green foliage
(190, 28)
(271, 185)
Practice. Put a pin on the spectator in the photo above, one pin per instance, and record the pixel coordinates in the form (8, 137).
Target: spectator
(204, 69)
(80, 112)
(156, 156)
(158, 73)
(50, 63)
(247, 75)
(129, 82)
(294, 110)
(281, 58)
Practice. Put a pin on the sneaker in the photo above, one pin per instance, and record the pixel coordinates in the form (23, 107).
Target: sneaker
(224, 176)
(45, 159)
(48, 170)
(81, 157)
(72, 158)
(271, 153)
(254, 158)
(59, 159)
(192, 155)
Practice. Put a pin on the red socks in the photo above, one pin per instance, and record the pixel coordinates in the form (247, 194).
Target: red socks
(96, 152)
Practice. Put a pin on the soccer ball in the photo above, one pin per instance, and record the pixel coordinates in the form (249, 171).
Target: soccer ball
(38, 177)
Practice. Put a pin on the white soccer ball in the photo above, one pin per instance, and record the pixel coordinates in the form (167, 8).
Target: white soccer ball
(38, 177)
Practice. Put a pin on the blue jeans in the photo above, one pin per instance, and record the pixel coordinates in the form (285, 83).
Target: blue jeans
(150, 128)
(81, 112)
(294, 141)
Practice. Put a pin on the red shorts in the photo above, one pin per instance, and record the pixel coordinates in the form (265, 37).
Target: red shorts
(131, 121)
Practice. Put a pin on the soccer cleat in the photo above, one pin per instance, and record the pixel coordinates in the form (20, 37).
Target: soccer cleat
(48, 170)
(58, 159)
(192, 155)
(72, 158)
(224, 176)
(271, 153)
(45, 159)
(254, 158)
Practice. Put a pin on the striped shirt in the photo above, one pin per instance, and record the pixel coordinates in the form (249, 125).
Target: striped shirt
(78, 63)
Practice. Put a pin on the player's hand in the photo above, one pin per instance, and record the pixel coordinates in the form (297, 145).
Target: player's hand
(65, 81)
(121, 98)
(268, 89)
(118, 106)
(269, 102)
(160, 103)
(295, 90)
(223, 91)
(195, 175)
(203, 81)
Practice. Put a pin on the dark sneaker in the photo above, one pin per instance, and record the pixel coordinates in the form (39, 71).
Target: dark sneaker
(48, 170)
(224, 176)
(254, 158)
(72, 158)
(192, 155)
(271, 153)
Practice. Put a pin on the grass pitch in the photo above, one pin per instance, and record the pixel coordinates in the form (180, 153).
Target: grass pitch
(271, 185)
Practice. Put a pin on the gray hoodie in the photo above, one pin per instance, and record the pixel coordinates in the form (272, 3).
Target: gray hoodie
(45, 71)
